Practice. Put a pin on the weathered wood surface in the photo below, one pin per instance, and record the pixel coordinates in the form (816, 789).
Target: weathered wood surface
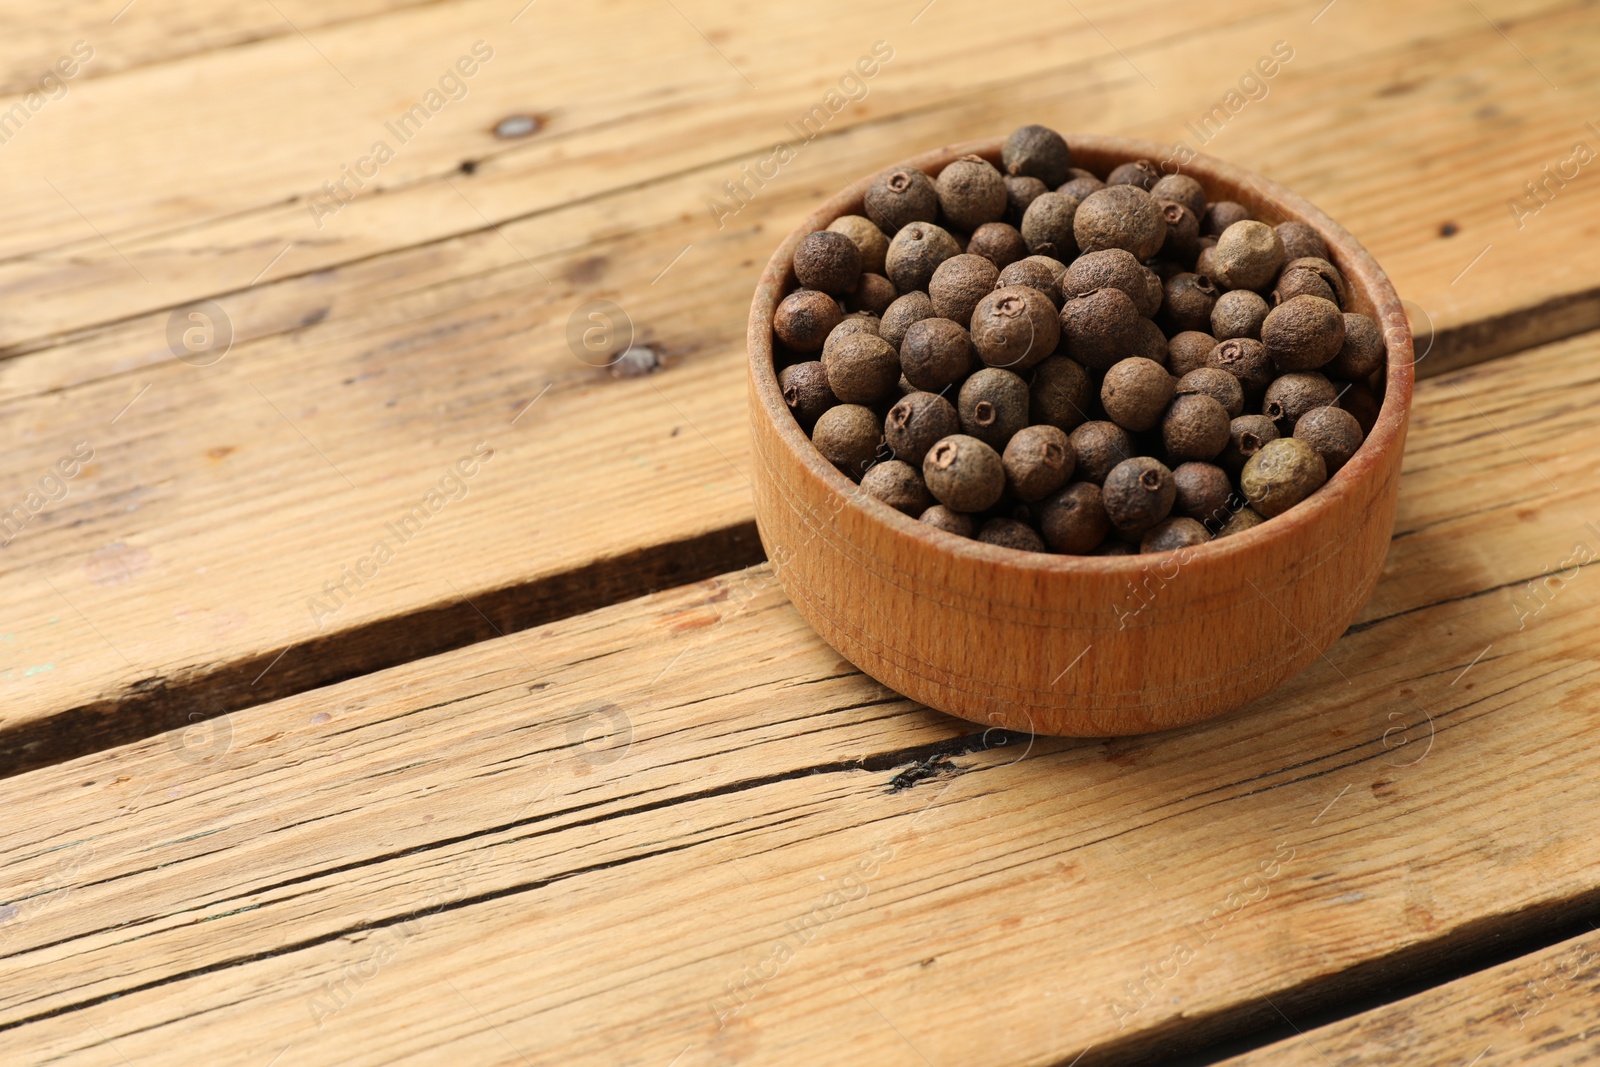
(176, 578)
(373, 351)
(125, 34)
(587, 842)
(1541, 1009)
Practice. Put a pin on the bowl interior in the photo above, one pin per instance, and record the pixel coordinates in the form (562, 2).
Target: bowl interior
(1371, 293)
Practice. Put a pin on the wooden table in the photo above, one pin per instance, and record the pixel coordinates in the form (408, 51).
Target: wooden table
(558, 775)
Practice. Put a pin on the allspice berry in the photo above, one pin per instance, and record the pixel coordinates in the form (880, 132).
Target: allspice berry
(1246, 360)
(1303, 333)
(1114, 547)
(1202, 491)
(1139, 172)
(828, 261)
(1221, 214)
(862, 368)
(916, 252)
(1292, 395)
(916, 423)
(874, 293)
(1183, 233)
(1074, 520)
(805, 318)
(1035, 272)
(1015, 327)
(1333, 432)
(1099, 446)
(1240, 521)
(959, 283)
(971, 192)
(1171, 534)
(1282, 474)
(850, 324)
(964, 474)
(872, 242)
(1020, 192)
(1060, 394)
(1298, 279)
(897, 317)
(1187, 351)
(1100, 327)
(1037, 152)
(1136, 392)
(1238, 313)
(1038, 461)
(1138, 493)
(848, 436)
(949, 521)
(1009, 533)
(805, 390)
(1247, 434)
(1362, 353)
(1180, 189)
(998, 242)
(1248, 255)
(1218, 384)
(897, 483)
(1150, 342)
(1301, 241)
(899, 198)
(1195, 427)
(1047, 226)
(1114, 268)
(1327, 272)
(936, 354)
(1187, 302)
(1121, 216)
(993, 406)
(1080, 186)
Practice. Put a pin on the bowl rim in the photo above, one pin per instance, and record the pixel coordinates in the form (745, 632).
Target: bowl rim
(1388, 432)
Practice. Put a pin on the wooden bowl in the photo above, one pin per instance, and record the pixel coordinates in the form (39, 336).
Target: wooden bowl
(1082, 646)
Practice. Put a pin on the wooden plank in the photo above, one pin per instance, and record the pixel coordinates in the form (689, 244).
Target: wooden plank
(587, 841)
(123, 37)
(1540, 1009)
(138, 600)
(1394, 181)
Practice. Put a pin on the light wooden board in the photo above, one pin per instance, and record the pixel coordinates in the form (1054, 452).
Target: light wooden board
(175, 579)
(125, 35)
(572, 844)
(1540, 1009)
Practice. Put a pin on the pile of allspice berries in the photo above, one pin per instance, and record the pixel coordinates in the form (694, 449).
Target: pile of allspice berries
(1048, 361)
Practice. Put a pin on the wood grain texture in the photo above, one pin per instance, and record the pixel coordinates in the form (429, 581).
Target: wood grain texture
(1542, 1009)
(588, 841)
(144, 33)
(1079, 646)
(373, 353)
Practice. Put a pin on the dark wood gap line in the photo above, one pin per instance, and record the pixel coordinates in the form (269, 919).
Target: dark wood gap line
(1370, 985)
(1481, 340)
(164, 702)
